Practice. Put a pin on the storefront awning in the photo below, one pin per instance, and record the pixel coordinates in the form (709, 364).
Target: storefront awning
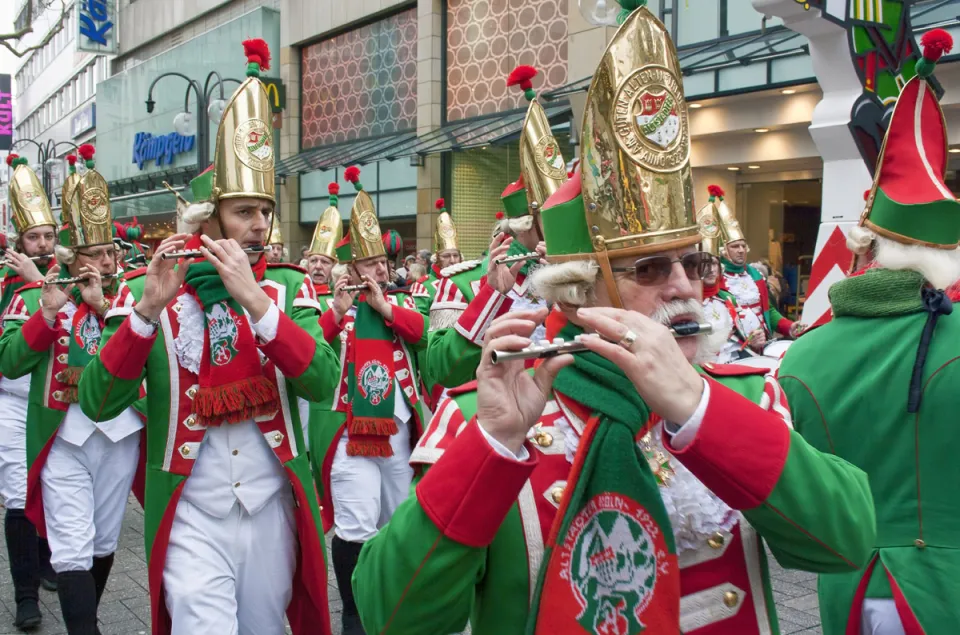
(456, 135)
(349, 152)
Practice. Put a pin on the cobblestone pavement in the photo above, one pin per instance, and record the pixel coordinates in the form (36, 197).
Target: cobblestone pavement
(125, 608)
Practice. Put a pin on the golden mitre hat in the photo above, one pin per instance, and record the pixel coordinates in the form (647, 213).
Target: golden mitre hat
(366, 240)
(636, 176)
(87, 220)
(86, 152)
(709, 229)
(445, 236)
(541, 162)
(276, 237)
(29, 203)
(329, 229)
(729, 225)
(243, 166)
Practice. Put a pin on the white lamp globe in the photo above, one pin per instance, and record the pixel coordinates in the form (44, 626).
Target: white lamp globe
(600, 12)
(215, 110)
(185, 124)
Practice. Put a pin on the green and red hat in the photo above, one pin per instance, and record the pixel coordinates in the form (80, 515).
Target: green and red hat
(392, 242)
(909, 201)
(344, 253)
(514, 200)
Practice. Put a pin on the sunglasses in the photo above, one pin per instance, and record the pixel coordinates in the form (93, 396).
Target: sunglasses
(98, 254)
(655, 270)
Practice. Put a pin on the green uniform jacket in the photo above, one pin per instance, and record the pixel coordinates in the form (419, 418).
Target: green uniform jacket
(328, 418)
(847, 383)
(775, 322)
(468, 544)
(29, 345)
(301, 363)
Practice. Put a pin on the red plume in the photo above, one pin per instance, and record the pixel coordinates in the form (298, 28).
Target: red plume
(522, 75)
(935, 43)
(72, 159)
(86, 151)
(715, 190)
(351, 174)
(440, 204)
(866, 194)
(11, 158)
(257, 51)
(333, 188)
(121, 230)
(499, 215)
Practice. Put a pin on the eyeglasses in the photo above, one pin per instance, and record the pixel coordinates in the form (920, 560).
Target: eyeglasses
(98, 254)
(656, 269)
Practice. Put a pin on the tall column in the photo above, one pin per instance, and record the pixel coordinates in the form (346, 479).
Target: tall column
(429, 114)
(845, 175)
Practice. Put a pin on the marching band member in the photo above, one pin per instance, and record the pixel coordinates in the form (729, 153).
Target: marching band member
(275, 249)
(36, 236)
(541, 513)
(877, 385)
(226, 343)
(80, 470)
(362, 444)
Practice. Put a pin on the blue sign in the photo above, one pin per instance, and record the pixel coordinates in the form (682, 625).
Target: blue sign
(95, 20)
(84, 120)
(163, 149)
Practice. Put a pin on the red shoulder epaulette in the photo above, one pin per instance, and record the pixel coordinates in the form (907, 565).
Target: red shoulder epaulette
(31, 285)
(421, 280)
(732, 370)
(286, 265)
(136, 273)
(470, 386)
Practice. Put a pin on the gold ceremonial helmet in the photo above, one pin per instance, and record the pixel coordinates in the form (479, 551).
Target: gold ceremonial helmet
(635, 175)
(729, 225)
(329, 229)
(710, 240)
(541, 162)
(89, 221)
(244, 161)
(445, 236)
(366, 240)
(276, 237)
(28, 201)
(70, 183)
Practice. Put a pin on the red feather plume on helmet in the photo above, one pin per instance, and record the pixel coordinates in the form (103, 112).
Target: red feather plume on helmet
(935, 43)
(333, 188)
(86, 151)
(11, 158)
(351, 174)
(715, 190)
(257, 51)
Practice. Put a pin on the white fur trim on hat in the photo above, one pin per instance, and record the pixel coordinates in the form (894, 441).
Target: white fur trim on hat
(568, 283)
(65, 255)
(193, 215)
(939, 267)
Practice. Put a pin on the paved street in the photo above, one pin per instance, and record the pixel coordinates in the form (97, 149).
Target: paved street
(125, 609)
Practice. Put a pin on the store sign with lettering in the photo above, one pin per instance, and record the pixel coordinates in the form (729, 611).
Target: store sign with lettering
(276, 93)
(162, 149)
(96, 20)
(6, 114)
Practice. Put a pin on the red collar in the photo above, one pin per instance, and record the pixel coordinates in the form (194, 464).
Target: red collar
(711, 291)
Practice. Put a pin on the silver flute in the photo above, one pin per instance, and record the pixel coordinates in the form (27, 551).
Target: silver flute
(64, 281)
(521, 258)
(196, 253)
(355, 287)
(47, 257)
(546, 348)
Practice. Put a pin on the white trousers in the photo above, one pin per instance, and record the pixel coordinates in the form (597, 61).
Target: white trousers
(233, 575)
(85, 490)
(13, 450)
(367, 490)
(880, 617)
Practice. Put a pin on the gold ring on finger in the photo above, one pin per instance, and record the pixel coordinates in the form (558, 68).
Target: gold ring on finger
(628, 340)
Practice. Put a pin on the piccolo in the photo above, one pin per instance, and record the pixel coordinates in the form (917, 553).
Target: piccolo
(355, 287)
(63, 281)
(521, 258)
(47, 257)
(195, 253)
(545, 348)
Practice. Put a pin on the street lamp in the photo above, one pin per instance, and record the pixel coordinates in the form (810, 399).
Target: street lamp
(48, 165)
(187, 123)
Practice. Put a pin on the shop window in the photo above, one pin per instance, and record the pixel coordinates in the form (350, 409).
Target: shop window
(362, 83)
(697, 22)
(486, 39)
(391, 184)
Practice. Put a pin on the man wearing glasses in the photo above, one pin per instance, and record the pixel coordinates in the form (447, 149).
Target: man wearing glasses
(80, 471)
(607, 491)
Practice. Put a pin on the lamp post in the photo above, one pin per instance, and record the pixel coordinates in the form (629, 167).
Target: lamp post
(48, 161)
(184, 122)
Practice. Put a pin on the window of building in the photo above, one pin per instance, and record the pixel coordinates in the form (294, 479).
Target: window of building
(391, 184)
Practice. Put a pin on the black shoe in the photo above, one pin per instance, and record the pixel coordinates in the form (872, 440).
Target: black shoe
(24, 568)
(78, 601)
(48, 577)
(28, 616)
(345, 555)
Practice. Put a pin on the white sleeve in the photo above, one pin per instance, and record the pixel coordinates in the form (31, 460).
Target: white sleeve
(683, 435)
(502, 450)
(266, 328)
(140, 326)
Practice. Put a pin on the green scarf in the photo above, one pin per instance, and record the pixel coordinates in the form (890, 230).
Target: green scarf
(878, 293)
(84, 341)
(371, 382)
(233, 387)
(612, 525)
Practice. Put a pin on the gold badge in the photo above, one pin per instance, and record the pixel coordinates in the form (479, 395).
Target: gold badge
(369, 228)
(549, 158)
(447, 231)
(94, 206)
(650, 120)
(708, 226)
(253, 145)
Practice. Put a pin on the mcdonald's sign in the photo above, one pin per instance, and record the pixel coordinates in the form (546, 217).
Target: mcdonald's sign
(277, 93)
